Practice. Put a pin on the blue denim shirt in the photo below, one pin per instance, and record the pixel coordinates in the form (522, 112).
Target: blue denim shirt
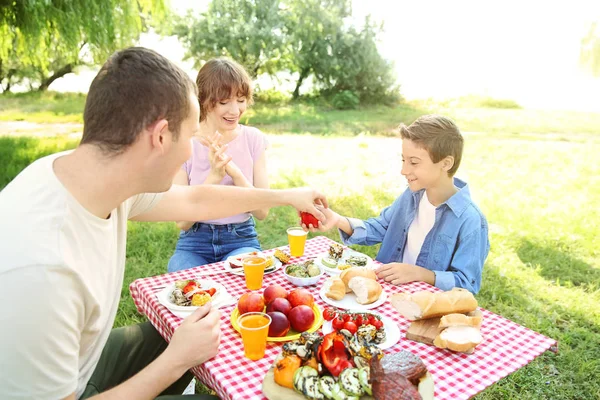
(455, 248)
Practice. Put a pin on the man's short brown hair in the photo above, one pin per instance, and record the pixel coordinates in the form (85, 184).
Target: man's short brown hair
(218, 80)
(438, 135)
(135, 88)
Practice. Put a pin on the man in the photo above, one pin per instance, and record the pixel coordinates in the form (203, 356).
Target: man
(63, 235)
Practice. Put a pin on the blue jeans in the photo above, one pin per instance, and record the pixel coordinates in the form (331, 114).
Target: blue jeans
(209, 243)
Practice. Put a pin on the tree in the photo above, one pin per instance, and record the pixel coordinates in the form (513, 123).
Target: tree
(358, 67)
(249, 31)
(44, 40)
(312, 27)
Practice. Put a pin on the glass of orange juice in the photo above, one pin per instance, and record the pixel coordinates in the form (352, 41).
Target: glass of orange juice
(297, 239)
(254, 270)
(254, 327)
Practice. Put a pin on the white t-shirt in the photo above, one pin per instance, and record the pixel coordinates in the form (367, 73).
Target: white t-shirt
(61, 273)
(418, 230)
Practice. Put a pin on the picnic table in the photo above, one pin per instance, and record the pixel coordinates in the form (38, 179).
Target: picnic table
(507, 346)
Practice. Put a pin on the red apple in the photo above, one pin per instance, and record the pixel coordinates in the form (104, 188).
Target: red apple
(301, 296)
(281, 305)
(280, 325)
(308, 218)
(273, 292)
(301, 317)
(251, 302)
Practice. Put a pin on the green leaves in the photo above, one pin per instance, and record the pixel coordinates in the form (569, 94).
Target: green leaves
(39, 38)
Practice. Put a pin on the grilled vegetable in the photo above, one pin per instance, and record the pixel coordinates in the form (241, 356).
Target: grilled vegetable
(363, 376)
(326, 384)
(285, 370)
(310, 388)
(281, 256)
(350, 383)
(300, 374)
(339, 394)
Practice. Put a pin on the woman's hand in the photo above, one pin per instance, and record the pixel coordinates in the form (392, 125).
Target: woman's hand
(217, 158)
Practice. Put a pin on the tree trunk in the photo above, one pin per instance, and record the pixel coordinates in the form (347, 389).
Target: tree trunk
(303, 75)
(57, 74)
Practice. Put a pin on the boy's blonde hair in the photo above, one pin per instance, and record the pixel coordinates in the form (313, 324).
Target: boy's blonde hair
(218, 80)
(438, 135)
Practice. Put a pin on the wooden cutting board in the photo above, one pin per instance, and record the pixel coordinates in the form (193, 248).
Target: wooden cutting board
(426, 330)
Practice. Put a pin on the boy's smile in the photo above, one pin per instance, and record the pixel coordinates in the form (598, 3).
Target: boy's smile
(418, 168)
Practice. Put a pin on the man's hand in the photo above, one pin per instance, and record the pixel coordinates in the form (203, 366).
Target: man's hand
(399, 273)
(331, 220)
(197, 339)
(307, 200)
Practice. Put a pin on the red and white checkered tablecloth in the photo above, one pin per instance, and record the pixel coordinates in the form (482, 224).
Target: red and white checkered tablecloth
(507, 346)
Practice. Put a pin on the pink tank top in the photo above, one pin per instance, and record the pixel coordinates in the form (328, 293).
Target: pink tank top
(244, 150)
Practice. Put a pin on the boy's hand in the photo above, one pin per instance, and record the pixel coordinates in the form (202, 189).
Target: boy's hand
(197, 339)
(399, 273)
(331, 220)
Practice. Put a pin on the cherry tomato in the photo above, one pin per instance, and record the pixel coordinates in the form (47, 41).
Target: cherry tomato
(212, 291)
(329, 313)
(372, 319)
(338, 323)
(347, 317)
(378, 324)
(358, 319)
(351, 327)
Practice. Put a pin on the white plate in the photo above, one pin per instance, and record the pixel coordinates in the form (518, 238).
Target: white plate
(347, 253)
(240, 271)
(392, 332)
(220, 299)
(349, 301)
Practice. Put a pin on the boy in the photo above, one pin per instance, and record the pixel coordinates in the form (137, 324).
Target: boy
(433, 232)
(63, 239)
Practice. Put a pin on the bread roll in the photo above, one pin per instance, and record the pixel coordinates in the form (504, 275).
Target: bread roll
(459, 338)
(350, 273)
(449, 320)
(367, 290)
(334, 288)
(425, 304)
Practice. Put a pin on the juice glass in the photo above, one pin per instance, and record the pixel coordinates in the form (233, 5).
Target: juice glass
(254, 270)
(254, 327)
(297, 239)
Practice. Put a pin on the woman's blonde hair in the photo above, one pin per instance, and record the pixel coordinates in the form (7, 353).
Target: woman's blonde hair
(218, 80)
(438, 135)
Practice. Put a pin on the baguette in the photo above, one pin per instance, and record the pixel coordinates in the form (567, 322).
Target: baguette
(334, 288)
(449, 320)
(350, 273)
(459, 338)
(367, 290)
(425, 304)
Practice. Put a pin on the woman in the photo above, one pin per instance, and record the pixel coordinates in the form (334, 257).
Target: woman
(224, 93)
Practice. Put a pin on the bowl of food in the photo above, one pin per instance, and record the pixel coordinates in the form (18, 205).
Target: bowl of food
(303, 274)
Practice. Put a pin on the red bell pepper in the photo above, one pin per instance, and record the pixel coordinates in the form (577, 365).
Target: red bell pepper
(333, 353)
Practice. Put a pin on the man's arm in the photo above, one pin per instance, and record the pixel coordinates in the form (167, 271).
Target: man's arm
(203, 202)
(182, 179)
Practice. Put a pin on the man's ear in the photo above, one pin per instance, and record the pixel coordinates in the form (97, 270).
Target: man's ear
(159, 132)
(447, 163)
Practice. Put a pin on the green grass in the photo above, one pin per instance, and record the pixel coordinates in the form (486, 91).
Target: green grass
(472, 113)
(540, 197)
